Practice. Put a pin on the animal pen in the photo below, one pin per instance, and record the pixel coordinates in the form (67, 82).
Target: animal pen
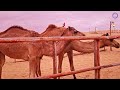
(97, 67)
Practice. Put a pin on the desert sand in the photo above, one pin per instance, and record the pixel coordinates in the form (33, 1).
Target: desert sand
(20, 69)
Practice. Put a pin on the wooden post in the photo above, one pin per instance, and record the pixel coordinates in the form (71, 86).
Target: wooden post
(96, 58)
(54, 59)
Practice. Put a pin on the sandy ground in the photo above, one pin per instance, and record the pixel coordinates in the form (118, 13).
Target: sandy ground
(20, 70)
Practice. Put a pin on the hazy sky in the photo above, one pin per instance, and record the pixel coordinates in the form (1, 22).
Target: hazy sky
(39, 20)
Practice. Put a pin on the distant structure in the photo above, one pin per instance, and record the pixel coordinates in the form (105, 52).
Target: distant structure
(63, 25)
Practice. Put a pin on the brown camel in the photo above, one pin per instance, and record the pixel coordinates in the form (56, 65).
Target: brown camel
(88, 47)
(18, 31)
(53, 30)
(85, 47)
(33, 51)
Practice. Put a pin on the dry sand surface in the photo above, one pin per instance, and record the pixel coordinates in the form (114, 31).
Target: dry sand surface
(20, 70)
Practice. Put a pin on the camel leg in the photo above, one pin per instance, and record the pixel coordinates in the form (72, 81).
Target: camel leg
(70, 56)
(104, 48)
(38, 72)
(60, 59)
(2, 62)
(32, 67)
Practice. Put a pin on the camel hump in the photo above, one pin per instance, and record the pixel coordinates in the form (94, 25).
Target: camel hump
(52, 26)
(16, 26)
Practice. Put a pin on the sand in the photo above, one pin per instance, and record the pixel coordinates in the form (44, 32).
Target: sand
(20, 69)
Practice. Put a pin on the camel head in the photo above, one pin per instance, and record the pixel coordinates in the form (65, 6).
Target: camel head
(110, 42)
(70, 31)
(75, 32)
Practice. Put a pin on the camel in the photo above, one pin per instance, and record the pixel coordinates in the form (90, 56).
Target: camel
(18, 31)
(89, 46)
(53, 30)
(84, 47)
(33, 51)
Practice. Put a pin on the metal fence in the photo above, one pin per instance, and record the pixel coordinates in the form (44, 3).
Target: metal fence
(96, 67)
(104, 31)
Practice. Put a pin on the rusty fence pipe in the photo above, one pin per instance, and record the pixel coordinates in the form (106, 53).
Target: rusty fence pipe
(77, 71)
(38, 39)
(96, 58)
(54, 58)
(96, 38)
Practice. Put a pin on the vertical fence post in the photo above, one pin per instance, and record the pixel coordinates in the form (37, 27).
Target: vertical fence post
(54, 58)
(110, 27)
(110, 34)
(96, 58)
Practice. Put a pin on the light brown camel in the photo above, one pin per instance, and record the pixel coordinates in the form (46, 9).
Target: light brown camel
(88, 47)
(85, 47)
(18, 31)
(53, 30)
(32, 51)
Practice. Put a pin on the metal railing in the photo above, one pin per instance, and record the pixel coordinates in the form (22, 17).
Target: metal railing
(96, 67)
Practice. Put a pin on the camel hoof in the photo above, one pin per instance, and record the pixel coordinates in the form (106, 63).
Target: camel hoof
(74, 77)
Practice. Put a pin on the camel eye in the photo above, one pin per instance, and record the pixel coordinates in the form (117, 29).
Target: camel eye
(69, 28)
(76, 32)
(111, 40)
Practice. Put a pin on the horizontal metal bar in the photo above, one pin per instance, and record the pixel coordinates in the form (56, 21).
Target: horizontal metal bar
(56, 38)
(77, 71)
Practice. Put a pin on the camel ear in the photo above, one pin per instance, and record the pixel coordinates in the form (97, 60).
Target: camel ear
(107, 34)
(69, 28)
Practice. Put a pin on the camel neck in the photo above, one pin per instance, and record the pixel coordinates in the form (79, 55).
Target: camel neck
(61, 45)
(86, 47)
(80, 46)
